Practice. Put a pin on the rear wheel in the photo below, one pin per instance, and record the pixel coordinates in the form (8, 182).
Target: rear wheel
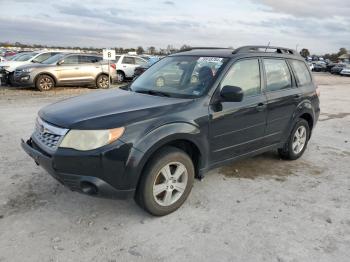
(166, 182)
(297, 142)
(102, 81)
(120, 76)
(44, 83)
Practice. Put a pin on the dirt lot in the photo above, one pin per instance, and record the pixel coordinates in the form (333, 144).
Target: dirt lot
(260, 209)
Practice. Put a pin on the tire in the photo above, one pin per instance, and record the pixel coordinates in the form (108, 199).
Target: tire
(44, 83)
(120, 76)
(297, 141)
(158, 195)
(102, 81)
(11, 80)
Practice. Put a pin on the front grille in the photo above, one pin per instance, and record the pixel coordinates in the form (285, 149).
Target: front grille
(50, 140)
(48, 136)
(18, 72)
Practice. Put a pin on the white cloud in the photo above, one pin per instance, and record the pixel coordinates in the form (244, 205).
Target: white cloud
(321, 27)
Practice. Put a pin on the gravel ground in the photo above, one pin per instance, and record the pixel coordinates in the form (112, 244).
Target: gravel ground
(259, 209)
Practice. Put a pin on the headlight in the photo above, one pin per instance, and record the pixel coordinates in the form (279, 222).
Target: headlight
(27, 70)
(90, 139)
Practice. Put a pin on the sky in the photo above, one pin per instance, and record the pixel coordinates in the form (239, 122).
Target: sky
(322, 26)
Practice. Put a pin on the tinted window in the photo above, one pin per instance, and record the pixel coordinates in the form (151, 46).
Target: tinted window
(73, 59)
(277, 74)
(301, 72)
(128, 60)
(90, 59)
(246, 75)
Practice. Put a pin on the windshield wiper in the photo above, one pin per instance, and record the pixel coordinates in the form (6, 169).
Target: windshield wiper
(152, 92)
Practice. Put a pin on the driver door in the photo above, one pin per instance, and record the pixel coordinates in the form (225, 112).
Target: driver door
(69, 71)
(237, 128)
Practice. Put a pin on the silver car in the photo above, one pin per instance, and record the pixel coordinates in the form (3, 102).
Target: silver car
(66, 69)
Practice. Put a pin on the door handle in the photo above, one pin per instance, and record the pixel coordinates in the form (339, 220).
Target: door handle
(261, 106)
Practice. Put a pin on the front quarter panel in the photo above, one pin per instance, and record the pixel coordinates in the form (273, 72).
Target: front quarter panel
(154, 140)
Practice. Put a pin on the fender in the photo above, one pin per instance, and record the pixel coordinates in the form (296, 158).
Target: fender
(45, 73)
(304, 107)
(144, 149)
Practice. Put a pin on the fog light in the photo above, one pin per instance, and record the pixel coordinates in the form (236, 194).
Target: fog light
(25, 78)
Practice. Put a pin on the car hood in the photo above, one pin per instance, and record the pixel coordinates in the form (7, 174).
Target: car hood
(12, 65)
(108, 109)
(32, 65)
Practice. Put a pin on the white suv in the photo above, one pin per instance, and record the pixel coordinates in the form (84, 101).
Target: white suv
(126, 64)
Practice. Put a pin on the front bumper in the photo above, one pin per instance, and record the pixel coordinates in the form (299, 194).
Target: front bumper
(97, 174)
(23, 79)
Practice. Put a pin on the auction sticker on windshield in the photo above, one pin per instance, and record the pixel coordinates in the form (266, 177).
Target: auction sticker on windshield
(210, 59)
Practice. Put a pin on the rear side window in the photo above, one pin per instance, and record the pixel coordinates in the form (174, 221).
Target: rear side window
(301, 71)
(128, 60)
(278, 76)
(246, 75)
(90, 59)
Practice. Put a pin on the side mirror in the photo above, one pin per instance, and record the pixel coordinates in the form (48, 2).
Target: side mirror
(60, 62)
(231, 94)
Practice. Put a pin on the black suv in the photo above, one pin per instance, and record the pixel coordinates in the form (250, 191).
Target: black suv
(188, 113)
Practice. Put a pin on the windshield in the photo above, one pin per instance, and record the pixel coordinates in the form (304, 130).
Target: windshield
(180, 76)
(53, 59)
(9, 58)
(24, 57)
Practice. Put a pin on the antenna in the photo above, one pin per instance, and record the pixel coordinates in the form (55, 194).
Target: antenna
(268, 45)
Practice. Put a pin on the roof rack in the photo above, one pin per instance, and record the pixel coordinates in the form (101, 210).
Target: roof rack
(201, 47)
(264, 49)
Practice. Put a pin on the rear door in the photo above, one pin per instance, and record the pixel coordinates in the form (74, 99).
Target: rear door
(237, 128)
(90, 67)
(283, 97)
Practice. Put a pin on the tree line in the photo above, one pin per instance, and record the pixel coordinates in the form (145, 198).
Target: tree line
(152, 50)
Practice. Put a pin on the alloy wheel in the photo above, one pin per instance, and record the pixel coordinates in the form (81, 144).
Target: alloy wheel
(299, 140)
(170, 184)
(46, 83)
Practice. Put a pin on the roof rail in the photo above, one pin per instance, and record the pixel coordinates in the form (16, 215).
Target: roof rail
(255, 48)
(201, 47)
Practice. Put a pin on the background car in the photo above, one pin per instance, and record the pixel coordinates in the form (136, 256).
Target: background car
(338, 68)
(320, 66)
(126, 65)
(7, 68)
(142, 68)
(66, 69)
(311, 66)
(345, 71)
(329, 66)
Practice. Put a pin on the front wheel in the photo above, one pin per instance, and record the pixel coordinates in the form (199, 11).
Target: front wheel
(166, 182)
(297, 142)
(44, 83)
